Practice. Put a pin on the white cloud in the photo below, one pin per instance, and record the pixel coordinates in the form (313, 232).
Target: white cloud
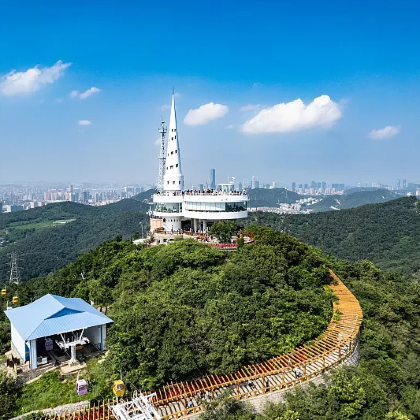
(294, 116)
(384, 133)
(84, 122)
(250, 107)
(89, 92)
(205, 114)
(31, 80)
(85, 94)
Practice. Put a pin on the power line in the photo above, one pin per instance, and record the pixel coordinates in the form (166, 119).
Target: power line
(14, 269)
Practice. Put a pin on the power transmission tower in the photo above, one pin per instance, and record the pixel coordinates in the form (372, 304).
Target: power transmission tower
(162, 156)
(14, 269)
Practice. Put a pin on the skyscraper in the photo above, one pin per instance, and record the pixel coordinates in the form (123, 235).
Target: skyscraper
(294, 186)
(212, 178)
(253, 182)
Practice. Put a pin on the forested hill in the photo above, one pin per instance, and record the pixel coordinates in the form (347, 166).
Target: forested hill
(262, 197)
(185, 310)
(51, 236)
(353, 198)
(145, 196)
(387, 234)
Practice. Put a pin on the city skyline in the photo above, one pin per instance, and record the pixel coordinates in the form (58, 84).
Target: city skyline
(330, 93)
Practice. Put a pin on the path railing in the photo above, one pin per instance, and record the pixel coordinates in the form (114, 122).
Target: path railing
(331, 349)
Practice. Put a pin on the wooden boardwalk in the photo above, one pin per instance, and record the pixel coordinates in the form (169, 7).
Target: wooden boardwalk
(330, 350)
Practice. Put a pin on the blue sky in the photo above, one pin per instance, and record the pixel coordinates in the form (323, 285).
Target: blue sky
(248, 72)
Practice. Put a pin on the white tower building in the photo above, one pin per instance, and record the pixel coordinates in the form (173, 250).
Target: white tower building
(201, 207)
(173, 179)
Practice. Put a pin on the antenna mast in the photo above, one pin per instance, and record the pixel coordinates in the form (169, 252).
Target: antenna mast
(162, 157)
(14, 269)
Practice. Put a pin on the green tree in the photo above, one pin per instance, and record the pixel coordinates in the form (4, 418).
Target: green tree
(396, 415)
(8, 395)
(223, 231)
(347, 394)
(289, 415)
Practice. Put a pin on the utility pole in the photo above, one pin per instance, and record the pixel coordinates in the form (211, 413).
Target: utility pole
(162, 156)
(14, 269)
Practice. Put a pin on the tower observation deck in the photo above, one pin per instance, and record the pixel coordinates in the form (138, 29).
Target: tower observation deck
(174, 204)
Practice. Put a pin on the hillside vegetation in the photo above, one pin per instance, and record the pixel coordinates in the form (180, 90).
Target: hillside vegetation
(387, 234)
(386, 384)
(186, 309)
(262, 197)
(353, 198)
(50, 237)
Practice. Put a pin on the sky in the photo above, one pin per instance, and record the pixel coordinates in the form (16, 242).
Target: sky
(283, 90)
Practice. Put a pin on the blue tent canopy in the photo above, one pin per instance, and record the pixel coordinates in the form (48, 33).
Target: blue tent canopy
(53, 314)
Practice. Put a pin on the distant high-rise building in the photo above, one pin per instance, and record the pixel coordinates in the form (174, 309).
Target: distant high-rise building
(294, 186)
(71, 193)
(212, 178)
(240, 188)
(257, 184)
(404, 184)
(398, 184)
(201, 187)
(85, 196)
(254, 182)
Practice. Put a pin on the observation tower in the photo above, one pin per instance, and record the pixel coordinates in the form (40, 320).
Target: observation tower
(176, 209)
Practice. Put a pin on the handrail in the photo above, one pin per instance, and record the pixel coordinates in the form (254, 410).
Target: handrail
(330, 350)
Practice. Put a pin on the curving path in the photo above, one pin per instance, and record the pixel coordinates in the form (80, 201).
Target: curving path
(331, 349)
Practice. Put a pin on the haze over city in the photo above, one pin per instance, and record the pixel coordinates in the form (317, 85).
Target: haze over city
(284, 91)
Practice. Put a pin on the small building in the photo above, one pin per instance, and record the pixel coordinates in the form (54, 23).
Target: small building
(55, 324)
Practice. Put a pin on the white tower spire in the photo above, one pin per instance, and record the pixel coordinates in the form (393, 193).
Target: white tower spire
(173, 180)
